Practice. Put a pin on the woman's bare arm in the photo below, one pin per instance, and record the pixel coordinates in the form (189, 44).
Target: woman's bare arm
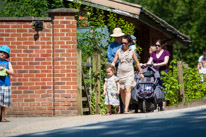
(115, 58)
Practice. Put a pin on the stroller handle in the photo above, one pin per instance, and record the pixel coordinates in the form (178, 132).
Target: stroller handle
(146, 65)
(149, 65)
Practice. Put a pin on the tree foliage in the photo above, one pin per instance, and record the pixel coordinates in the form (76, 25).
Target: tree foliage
(188, 16)
(22, 8)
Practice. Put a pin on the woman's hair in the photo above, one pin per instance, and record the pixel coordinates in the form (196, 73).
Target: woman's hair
(163, 42)
(112, 68)
(128, 38)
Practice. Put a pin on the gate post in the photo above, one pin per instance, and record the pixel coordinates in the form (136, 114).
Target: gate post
(180, 81)
(79, 82)
(96, 70)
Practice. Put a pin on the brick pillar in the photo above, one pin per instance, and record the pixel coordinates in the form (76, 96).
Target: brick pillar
(64, 60)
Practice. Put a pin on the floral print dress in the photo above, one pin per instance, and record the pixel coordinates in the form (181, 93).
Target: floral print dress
(111, 97)
(125, 70)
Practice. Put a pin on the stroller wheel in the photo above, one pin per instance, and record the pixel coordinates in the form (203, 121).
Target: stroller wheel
(136, 108)
(161, 106)
(144, 106)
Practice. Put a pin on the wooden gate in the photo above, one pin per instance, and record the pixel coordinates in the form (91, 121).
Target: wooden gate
(85, 90)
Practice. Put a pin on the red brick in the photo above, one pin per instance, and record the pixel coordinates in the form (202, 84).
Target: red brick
(71, 26)
(45, 79)
(34, 87)
(5, 26)
(40, 91)
(46, 47)
(27, 26)
(27, 35)
(23, 88)
(40, 75)
(58, 17)
(56, 34)
(15, 35)
(22, 30)
(45, 55)
(28, 67)
(11, 30)
(4, 35)
(16, 26)
(71, 34)
(2, 30)
(40, 83)
(28, 43)
(17, 59)
(34, 63)
(40, 67)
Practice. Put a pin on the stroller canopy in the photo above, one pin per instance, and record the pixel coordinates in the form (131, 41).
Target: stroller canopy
(149, 69)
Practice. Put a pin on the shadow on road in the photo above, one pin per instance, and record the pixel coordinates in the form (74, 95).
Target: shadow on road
(190, 124)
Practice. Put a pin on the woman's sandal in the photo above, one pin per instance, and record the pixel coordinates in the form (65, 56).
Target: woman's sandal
(4, 120)
(108, 113)
(127, 112)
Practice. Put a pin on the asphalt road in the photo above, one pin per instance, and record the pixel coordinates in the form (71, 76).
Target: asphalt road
(190, 122)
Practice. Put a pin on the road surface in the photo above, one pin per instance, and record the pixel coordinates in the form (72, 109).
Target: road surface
(190, 122)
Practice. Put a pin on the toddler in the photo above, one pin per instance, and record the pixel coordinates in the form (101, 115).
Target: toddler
(5, 90)
(111, 90)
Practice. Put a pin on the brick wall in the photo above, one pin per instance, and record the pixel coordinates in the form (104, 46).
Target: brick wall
(45, 64)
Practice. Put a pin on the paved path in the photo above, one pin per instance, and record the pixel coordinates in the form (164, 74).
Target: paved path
(174, 123)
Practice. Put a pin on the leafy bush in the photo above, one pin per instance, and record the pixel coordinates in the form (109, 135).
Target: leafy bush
(193, 86)
(171, 83)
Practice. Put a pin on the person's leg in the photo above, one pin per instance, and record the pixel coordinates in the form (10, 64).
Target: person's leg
(121, 103)
(127, 99)
(0, 113)
(117, 109)
(109, 109)
(162, 105)
(3, 109)
(123, 96)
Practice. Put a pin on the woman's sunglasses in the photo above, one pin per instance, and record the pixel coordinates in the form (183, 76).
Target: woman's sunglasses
(158, 45)
(124, 43)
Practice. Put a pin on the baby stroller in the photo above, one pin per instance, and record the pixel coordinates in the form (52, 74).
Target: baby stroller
(147, 93)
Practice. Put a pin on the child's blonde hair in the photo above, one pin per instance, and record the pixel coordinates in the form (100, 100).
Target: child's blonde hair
(112, 68)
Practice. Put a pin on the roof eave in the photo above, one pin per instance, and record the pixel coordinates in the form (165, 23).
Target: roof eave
(171, 31)
(110, 9)
(161, 25)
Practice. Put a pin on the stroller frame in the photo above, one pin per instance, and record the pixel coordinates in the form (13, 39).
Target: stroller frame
(147, 100)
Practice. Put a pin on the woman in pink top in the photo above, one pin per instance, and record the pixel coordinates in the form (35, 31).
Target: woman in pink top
(160, 59)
